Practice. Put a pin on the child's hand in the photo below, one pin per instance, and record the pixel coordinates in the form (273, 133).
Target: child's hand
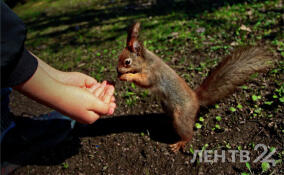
(82, 104)
(76, 95)
(101, 90)
(105, 93)
(77, 79)
(69, 78)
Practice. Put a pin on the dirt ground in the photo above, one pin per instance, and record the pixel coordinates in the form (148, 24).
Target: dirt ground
(135, 139)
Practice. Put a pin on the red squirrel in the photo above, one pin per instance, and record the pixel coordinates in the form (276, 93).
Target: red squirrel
(141, 66)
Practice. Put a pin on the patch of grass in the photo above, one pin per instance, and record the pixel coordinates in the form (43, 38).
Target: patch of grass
(130, 97)
(65, 165)
(198, 125)
(218, 118)
(97, 29)
(232, 109)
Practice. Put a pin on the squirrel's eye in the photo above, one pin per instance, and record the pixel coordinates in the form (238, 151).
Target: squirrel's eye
(128, 61)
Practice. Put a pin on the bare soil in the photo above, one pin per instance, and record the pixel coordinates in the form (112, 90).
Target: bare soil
(135, 139)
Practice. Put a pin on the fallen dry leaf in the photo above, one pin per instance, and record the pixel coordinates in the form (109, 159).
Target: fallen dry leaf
(245, 28)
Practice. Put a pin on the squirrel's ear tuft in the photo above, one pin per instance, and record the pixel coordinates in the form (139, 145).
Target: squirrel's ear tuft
(133, 31)
(133, 43)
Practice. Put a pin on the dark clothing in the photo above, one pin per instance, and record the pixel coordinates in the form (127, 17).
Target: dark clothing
(17, 64)
(26, 137)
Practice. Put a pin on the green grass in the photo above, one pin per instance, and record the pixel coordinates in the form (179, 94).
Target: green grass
(67, 29)
(88, 35)
(97, 25)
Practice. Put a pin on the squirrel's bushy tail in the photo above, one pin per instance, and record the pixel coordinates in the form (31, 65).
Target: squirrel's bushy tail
(233, 71)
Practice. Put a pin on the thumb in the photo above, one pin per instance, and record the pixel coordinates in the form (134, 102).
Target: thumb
(89, 82)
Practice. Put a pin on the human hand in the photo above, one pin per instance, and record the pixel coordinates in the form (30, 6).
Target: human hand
(69, 78)
(104, 92)
(77, 79)
(101, 90)
(75, 94)
(82, 104)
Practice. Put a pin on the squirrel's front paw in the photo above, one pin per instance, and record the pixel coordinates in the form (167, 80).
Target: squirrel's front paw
(126, 77)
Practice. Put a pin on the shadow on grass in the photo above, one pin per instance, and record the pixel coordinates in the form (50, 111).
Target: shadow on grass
(82, 21)
(40, 151)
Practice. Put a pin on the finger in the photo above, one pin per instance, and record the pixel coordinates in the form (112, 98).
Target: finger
(100, 107)
(112, 99)
(99, 90)
(104, 82)
(94, 87)
(103, 94)
(111, 111)
(111, 108)
(108, 95)
(112, 105)
(89, 82)
(92, 117)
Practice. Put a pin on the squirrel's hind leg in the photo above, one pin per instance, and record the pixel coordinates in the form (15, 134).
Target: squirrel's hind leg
(177, 146)
(183, 123)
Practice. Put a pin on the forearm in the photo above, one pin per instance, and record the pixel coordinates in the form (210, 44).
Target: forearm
(54, 73)
(73, 101)
(69, 78)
